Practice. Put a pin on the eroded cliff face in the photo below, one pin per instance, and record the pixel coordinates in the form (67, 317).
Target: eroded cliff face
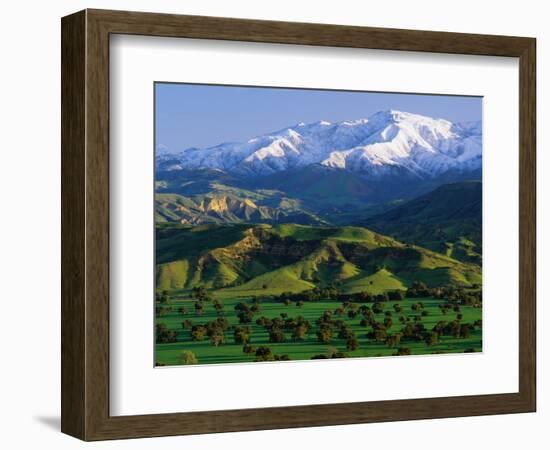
(261, 243)
(221, 207)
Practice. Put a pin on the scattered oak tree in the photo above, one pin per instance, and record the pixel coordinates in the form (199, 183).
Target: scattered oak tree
(187, 357)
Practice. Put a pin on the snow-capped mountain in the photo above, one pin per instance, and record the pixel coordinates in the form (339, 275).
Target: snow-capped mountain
(388, 142)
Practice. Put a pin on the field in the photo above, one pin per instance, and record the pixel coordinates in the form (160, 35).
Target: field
(255, 275)
(229, 351)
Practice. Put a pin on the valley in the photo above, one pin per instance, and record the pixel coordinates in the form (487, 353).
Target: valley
(170, 353)
(280, 285)
(322, 240)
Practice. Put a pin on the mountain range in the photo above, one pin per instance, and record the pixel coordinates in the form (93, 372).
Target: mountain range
(366, 204)
(388, 143)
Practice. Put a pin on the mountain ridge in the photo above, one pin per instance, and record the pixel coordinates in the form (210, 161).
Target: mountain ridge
(255, 258)
(387, 142)
(447, 220)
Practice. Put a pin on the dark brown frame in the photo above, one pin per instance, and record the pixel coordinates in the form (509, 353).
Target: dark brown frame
(85, 224)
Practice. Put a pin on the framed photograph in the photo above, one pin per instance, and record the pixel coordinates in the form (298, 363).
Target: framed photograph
(273, 225)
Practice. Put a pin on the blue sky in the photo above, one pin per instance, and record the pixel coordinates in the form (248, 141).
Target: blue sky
(191, 115)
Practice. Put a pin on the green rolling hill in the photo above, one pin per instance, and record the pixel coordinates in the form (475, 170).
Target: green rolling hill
(239, 260)
(447, 220)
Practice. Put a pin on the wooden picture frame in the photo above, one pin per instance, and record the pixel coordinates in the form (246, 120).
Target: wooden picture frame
(85, 224)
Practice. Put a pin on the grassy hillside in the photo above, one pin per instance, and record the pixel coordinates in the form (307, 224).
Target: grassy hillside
(376, 283)
(263, 259)
(442, 217)
(447, 220)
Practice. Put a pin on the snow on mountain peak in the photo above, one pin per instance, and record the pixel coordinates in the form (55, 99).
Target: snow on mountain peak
(419, 145)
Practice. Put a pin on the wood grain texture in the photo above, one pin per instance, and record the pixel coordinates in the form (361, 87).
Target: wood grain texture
(73, 227)
(201, 27)
(527, 224)
(85, 224)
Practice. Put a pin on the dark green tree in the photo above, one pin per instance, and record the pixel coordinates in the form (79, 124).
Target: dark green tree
(198, 333)
(352, 343)
(264, 354)
(324, 334)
